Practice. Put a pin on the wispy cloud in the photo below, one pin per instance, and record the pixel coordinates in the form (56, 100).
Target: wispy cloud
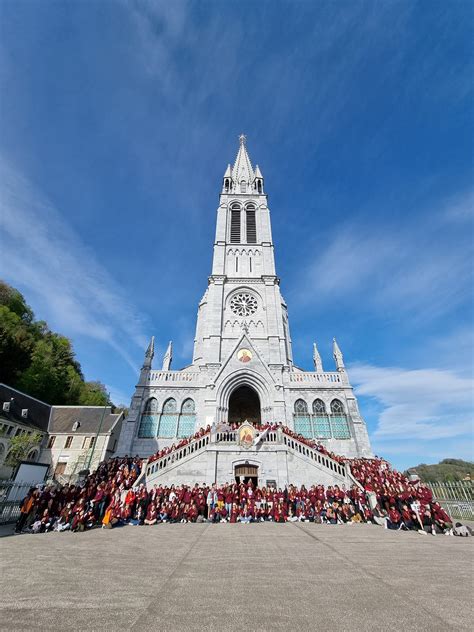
(417, 405)
(40, 252)
(397, 267)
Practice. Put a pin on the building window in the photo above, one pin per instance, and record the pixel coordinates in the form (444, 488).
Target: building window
(88, 442)
(251, 227)
(235, 224)
(243, 186)
(68, 442)
(301, 418)
(149, 420)
(187, 419)
(51, 442)
(339, 423)
(321, 426)
(168, 419)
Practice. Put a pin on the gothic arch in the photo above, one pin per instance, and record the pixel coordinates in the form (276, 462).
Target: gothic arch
(242, 377)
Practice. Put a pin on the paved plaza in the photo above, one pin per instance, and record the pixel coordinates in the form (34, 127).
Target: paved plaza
(236, 577)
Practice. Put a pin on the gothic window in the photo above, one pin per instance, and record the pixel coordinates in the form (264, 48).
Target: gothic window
(168, 419)
(243, 186)
(321, 426)
(235, 223)
(149, 420)
(259, 186)
(187, 419)
(339, 423)
(336, 407)
(151, 407)
(243, 304)
(319, 407)
(251, 226)
(301, 406)
(226, 185)
(301, 419)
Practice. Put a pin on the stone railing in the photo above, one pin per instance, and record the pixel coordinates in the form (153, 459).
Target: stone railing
(315, 455)
(173, 376)
(177, 455)
(315, 378)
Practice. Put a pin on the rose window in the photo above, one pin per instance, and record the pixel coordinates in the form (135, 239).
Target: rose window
(243, 304)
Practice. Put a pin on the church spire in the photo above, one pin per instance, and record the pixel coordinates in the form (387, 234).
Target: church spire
(338, 356)
(168, 357)
(318, 363)
(149, 353)
(242, 172)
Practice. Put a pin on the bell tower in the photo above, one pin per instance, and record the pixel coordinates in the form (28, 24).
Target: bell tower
(243, 293)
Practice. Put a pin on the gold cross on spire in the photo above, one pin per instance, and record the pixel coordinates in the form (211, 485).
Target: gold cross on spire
(242, 139)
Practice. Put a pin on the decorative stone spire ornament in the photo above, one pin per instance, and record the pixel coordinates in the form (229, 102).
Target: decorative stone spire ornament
(149, 353)
(168, 357)
(242, 172)
(318, 363)
(338, 356)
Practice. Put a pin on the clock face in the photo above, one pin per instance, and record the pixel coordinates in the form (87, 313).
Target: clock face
(243, 304)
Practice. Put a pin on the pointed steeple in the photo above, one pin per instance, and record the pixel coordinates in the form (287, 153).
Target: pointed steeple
(227, 180)
(242, 172)
(168, 357)
(149, 353)
(318, 363)
(336, 352)
(258, 183)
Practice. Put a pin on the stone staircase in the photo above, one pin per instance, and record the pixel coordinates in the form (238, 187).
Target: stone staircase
(193, 462)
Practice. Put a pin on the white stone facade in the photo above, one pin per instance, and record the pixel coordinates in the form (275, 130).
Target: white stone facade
(243, 342)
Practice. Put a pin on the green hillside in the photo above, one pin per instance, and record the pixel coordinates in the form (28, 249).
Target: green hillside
(444, 471)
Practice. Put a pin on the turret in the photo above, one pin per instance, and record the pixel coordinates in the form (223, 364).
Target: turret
(318, 363)
(168, 357)
(149, 353)
(258, 182)
(338, 358)
(227, 180)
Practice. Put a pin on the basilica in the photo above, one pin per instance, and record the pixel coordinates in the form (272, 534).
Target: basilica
(242, 377)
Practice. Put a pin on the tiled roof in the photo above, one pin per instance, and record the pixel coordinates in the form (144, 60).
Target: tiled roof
(38, 412)
(89, 418)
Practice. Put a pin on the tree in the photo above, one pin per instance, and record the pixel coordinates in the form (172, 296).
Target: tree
(38, 361)
(94, 394)
(21, 446)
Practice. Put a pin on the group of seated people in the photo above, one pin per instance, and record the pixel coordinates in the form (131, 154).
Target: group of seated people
(111, 496)
(77, 507)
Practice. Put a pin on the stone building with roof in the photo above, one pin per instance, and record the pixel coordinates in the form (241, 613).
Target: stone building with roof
(20, 414)
(73, 438)
(242, 368)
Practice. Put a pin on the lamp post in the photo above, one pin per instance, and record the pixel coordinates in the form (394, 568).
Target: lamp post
(96, 437)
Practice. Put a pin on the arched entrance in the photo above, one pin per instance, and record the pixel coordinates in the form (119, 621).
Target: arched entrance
(245, 473)
(244, 404)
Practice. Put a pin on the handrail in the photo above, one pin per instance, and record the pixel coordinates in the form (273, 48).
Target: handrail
(315, 455)
(176, 455)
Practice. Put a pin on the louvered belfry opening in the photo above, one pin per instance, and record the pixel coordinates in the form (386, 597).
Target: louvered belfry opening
(235, 226)
(251, 227)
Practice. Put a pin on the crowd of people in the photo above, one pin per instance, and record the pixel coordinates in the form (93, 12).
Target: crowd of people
(111, 496)
(81, 506)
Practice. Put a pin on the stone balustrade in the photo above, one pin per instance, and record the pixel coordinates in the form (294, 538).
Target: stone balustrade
(173, 376)
(316, 378)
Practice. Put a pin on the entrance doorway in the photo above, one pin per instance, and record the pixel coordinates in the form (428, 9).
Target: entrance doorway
(246, 473)
(244, 404)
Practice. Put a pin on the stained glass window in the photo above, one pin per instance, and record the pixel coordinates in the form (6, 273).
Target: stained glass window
(187, 419)
(148, 426)
(168, 419)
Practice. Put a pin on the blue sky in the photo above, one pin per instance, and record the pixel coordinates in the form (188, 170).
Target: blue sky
(118, 120)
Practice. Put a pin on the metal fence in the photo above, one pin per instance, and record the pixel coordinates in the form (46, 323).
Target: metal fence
(11, 495)
(457, 498)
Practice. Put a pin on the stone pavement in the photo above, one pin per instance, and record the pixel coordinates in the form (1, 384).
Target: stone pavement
(236, 577)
